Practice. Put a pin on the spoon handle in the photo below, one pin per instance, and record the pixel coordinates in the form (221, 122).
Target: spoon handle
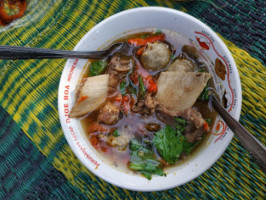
(16, 52)
(252, 145)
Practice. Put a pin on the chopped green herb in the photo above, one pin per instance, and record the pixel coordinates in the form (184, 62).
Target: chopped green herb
(201, 70)
(146, 141)
(142, 90)
(142, 159)
(188, 147)
(135, 145)
(97, 67)
(169, 144)
(204, 94)
(209, 121)
(116, 133)
(180, 125)
(123, 86)
(158, 31)
(132, 89)
(145, 36)
(172, 56)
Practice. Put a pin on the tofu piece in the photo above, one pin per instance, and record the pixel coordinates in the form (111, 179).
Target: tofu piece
(91, 95)
(178, 91)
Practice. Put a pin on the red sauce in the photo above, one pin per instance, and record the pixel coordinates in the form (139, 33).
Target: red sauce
(12, 5)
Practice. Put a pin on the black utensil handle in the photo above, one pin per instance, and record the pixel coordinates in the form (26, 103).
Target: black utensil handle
(252, 145)
(16, 52)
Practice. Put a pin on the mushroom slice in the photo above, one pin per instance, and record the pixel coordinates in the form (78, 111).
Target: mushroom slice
(178, 91)
(91, 94)
(182, 65)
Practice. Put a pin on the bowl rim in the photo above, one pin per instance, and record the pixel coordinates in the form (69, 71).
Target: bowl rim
(236, 76)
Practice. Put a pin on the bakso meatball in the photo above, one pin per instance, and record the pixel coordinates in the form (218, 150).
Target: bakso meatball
(156, 56)
(109, 114)
(182, 65)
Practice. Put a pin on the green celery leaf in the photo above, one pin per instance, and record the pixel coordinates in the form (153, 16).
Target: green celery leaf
(97, 67)
(188, 147)
(146, 174)
(143, 160)
(169, 144)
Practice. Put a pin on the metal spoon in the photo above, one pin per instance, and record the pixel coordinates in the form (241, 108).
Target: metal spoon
(16, 52)
(252, 145)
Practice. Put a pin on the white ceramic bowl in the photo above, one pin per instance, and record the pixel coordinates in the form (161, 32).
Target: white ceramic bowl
(110, 29)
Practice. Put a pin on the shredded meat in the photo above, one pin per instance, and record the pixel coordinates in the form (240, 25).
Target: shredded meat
(190, 114)
(146, 106)
(139, 106)
(192, 133)
(193, 115)
(194, 129)
(165, 117)
(150, 102)
(109, 114)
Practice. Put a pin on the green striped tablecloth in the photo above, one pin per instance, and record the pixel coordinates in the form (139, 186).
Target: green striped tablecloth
(35, 159)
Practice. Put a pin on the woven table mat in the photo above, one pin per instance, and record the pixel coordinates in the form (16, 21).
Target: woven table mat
(35, 159)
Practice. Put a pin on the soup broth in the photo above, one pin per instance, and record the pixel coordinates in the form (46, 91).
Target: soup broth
(144, 124)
